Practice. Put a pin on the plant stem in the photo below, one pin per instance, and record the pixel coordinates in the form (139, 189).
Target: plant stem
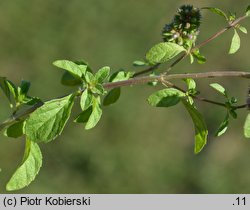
(178, 60)
(19, 116)
(169, 84)
(163, 78)
(150, 69)
(231, 25)
(145, 79)
(214, 36)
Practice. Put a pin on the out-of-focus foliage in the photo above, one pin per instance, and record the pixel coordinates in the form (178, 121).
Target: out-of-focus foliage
(136, 148)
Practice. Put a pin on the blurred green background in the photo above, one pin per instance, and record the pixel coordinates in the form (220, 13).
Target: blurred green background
(135, 148)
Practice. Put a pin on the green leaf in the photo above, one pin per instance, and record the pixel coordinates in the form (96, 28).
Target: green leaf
(248, 11)
(86, 100)
(22, 91)
(232, 17)
(235, 45)
(163, 52)
(233, 113)
(9, 90)
(191, 58)
(76, 70)
(112, 96)
(90, 78)
(139, 63)
(102, 74)
(165, 98)
(69, 80)
(83, 117)
(120, 76)
(30, 101)
(223, 126)
(242, 29)
(98, 89)
(190, 83)
(219, 88)
(216, 11)
(24, 87)
(200, 58)
(83, 63)
(247, 127)
(29, 168)
(48, 121)
(201, 131)
(95, 115)
(16, 130)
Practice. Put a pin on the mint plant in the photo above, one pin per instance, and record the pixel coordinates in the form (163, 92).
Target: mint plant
(42, 122)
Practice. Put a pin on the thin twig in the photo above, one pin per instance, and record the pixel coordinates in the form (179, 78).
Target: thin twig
(20, 116)
(169, 84)
(157, 66)
(150, 69)
(214, 36)
(178, 60)
(211, 38)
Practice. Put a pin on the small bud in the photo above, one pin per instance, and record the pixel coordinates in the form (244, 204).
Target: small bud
(176, 35)
(188, 25)
(190, 36)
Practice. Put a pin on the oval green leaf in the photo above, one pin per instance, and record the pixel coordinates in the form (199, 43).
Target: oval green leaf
(29, 168)
(247, 127)
(95, 115)
(242, 29)
(235, 44)
(76, 70)
(165, 98)
(248, 11)
(69, 80)
(219, 88)
(223, 126)
(16, 130)
(83, 117)
(139, 63)
(48, 121)
(102, 74)
(9, 90)
(163, 52)
(86, 100)
(201, 131)
(120, 76)
(112, 96)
